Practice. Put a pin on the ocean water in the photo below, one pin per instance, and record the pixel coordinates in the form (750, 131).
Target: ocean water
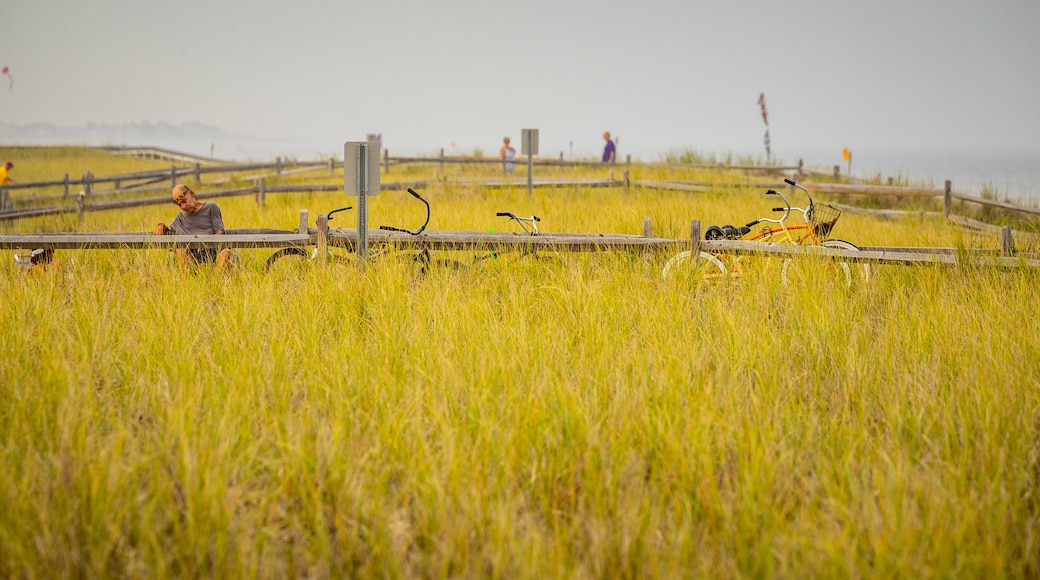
(1013, 176)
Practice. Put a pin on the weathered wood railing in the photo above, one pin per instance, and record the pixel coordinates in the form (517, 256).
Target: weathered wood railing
(121, 182)
(260, 188)
(347, 239)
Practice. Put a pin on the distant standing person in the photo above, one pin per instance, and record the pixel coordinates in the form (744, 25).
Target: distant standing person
(507, 154)
(5, 171)
(609, 152)
(197, 218)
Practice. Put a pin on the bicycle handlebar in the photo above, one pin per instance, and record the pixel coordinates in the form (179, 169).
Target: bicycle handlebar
(422, 227)
(512, 215)
(801, 187)
(786, 210)
(520, 220)
(329, 216)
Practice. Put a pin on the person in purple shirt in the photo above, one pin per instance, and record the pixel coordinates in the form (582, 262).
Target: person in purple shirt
(608, 150)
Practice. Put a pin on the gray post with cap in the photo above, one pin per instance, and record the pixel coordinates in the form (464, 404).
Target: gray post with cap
(529, 147)
(361, 178)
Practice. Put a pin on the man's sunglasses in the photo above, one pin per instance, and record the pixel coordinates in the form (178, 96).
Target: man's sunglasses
(181, 197)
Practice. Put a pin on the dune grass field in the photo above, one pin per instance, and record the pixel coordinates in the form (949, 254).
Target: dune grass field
(516, 418)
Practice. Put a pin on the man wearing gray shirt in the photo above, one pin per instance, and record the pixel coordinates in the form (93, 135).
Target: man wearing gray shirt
(197, 218)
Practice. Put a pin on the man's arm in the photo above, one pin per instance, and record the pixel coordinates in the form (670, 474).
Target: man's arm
(217, 220)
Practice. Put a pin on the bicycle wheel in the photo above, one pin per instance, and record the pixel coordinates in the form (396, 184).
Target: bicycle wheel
(286, 259)
(862, 268)
(703, 267)
(837, 270)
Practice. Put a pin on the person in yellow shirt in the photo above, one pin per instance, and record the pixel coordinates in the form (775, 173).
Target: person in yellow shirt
(5, 171)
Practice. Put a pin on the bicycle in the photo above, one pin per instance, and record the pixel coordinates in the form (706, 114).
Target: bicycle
(533, 220)
(817, 223)
(528, 225)
(421, 257)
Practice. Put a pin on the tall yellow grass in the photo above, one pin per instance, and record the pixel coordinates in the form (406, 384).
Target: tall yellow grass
(517, 418)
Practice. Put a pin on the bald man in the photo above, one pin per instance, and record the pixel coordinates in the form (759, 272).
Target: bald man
(197, 218)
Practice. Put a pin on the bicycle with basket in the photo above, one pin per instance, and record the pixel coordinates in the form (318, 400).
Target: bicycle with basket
(818, 220)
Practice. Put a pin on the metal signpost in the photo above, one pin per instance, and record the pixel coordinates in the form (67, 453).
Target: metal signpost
(529, 147)
(361, 178)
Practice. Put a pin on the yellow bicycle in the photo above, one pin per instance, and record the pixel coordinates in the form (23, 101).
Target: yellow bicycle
(817, 223)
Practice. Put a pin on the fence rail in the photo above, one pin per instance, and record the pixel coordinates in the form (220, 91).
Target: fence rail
(1004, 257)
(260, 188)
(280, 167)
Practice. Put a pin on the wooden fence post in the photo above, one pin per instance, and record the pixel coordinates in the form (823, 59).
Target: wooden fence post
(303, 222)
(801, 165)
(695, 237)
(88, 178)
(322, 222)
(837, 170)
(386, 161)
(1007, 245)
(173, 176)
(277, 165)
(627, 182)
(647, 232)
(80, 207)
(332, 165)
(198, 173)
(3, 199)
(66, 185)
(946, 198)
(261, 192)
(442, 160)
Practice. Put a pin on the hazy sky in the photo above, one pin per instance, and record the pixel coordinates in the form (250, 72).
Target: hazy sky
(662, 74)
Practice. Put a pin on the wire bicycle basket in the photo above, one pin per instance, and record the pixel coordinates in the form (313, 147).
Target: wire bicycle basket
(822, 219)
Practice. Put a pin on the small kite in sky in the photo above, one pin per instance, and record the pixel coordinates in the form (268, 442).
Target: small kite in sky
(7, 73)
(762, 103)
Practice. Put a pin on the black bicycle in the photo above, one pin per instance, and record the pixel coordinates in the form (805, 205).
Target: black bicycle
(301, 255)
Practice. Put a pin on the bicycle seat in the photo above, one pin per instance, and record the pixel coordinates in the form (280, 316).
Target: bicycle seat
(726, 232)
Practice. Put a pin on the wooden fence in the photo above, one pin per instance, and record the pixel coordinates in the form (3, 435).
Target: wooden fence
(470, 240)
(260, 190)
(1004, 257)
(88, 184)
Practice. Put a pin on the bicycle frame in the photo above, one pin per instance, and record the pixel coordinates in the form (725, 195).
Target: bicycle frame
(423, 255)
(533, 220)
(780, 233)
